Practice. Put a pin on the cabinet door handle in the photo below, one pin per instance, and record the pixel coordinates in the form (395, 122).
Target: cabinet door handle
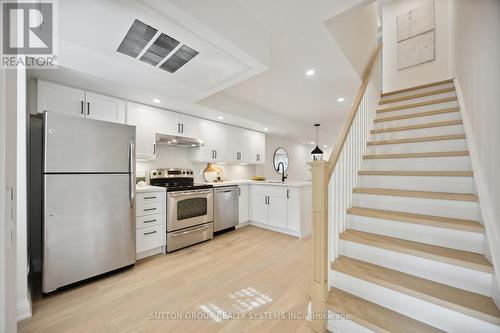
(149, 209)
(149, 198)
(178, 128)
(82, 112)
(182, 128)
(154, 148)
(239, 191)
(149, 233)
(88, 108)
(216, 154)
(288, 194)
(150, 221)
(268, 200)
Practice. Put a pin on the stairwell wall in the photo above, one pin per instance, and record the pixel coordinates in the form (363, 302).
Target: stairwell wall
(475, 62)
(436, 70)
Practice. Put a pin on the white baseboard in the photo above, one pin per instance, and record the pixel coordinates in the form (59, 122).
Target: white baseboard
(24, 309)
(485, 203)
(277, 229)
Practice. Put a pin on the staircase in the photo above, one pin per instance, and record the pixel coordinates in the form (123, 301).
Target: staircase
(411, 255)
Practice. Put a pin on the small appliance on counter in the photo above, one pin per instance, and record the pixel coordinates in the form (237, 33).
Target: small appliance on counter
(190, 206)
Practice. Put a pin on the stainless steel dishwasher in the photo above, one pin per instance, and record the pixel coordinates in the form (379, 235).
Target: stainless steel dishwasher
(226, 207)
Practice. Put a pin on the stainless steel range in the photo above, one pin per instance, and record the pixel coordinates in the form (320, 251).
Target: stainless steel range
(190, 206)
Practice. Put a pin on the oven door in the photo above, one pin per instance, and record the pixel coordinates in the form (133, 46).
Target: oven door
(189, 208)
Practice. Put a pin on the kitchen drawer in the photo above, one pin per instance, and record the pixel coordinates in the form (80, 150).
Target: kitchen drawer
(150, 220)
(148, 197)
(150, 238)
(189, 236)
(150, 208)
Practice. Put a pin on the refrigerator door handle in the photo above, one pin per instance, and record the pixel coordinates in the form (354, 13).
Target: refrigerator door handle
(131, 171)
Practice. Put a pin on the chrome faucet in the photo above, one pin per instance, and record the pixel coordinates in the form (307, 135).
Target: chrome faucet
(283, 175)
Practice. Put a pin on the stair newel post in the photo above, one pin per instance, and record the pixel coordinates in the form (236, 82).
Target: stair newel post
(319, 289)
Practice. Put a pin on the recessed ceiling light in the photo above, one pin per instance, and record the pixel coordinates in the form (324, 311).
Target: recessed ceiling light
(340, 99)
(312, 142)
(310, 72)
(156, 100)
(325, 146)
(266, 129)
(221, 118)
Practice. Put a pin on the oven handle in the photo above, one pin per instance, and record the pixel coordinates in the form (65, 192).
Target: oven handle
(183, 194)
(189, 231)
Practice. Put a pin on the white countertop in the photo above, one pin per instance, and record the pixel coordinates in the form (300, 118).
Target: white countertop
(266, 183)
(149, 188)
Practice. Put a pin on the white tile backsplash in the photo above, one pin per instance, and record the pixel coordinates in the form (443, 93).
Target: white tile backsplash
(180, 157)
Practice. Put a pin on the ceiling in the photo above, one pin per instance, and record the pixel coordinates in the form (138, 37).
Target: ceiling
(251, 67)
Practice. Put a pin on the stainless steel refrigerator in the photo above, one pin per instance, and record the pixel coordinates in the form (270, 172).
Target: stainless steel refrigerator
(88, 198)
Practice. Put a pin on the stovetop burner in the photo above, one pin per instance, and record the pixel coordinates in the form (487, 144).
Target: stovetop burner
(174, 179)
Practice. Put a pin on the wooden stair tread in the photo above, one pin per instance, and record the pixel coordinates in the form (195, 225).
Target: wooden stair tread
(423, 86)
(374, 316)
(442, 254)
(417, 155)
(415, 105)
(417, 140)
(416, 115)
(430, 220)
(418, 194)
(419, 95)
(463, 301)
(418, 173)
(419, 126)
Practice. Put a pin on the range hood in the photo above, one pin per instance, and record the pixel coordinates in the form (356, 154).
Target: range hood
(172, 140)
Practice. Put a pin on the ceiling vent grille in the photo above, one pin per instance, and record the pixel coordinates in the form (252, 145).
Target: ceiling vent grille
(163, 52)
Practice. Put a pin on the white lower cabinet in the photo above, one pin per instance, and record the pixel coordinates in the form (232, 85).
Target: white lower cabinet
(150, 223)
(281, 208)
(244, 203)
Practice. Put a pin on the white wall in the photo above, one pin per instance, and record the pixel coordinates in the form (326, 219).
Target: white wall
(475, 59)
(23, 294)
(8, 254)
(298, 155)
(177, 157)
(355, 31)
(436, 70)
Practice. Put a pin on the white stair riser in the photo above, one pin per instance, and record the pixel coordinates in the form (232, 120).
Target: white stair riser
(451, 238)
(418, 133)
(431, 107)
(419, 147)
(420, 99)
(453, 163)
(467, 210)
(424, 311)
(418, 120)
(344, 326)
(419, 183)
(419, 91)
(452, 275)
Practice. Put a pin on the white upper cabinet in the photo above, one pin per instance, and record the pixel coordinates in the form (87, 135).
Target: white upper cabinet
(177, 124)
(189, 126)
(144, 119)
(213, 136)
(166, 122)
(57, 98)
(71, 101)
(257, 147)
(105, 108)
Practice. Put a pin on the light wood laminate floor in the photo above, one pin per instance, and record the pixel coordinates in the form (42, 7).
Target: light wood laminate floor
(250, 271)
